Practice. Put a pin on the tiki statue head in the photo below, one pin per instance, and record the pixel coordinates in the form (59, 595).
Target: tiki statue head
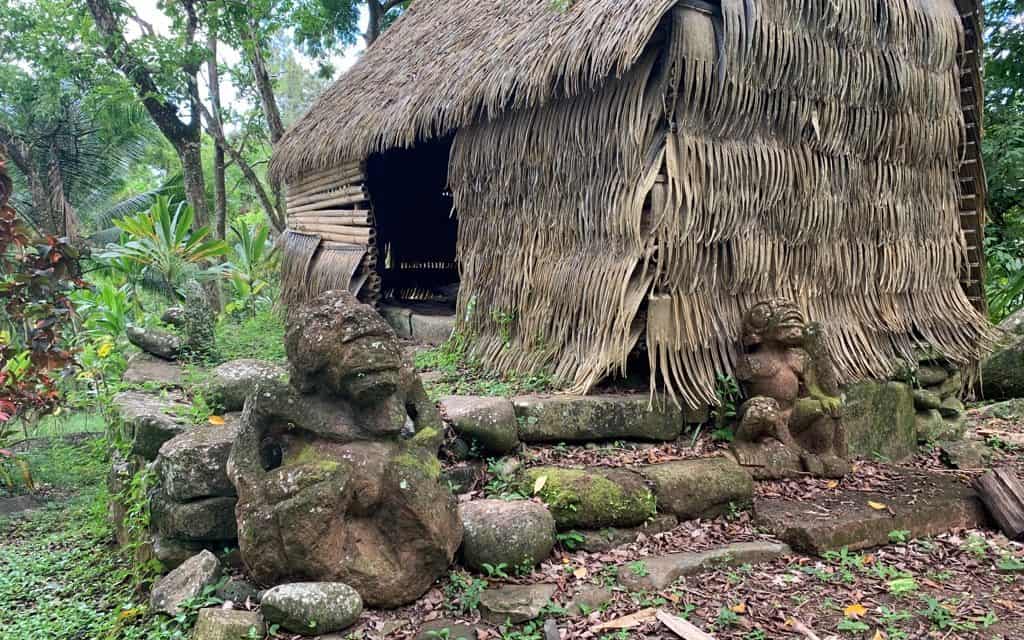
(776, 322)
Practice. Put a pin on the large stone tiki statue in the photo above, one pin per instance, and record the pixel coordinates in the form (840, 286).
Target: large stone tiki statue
(792, 421)
(337, 475)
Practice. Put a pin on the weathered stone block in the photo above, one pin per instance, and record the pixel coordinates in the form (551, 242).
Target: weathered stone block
(931, 375)
(228, 624)
(932, 427)
(611, 537)
(513, 533)
(157, 342)
(659, 572)
(489, 421)
(879, 420)
(312, 608)
(232, 382)
(515, 603)
(1002, 373)
(592, 498)
(194, 464)
(144, 368)
(205, 520)
(150, 420)
(587, 418)
(700, 488)
(926, 505)
(925, 400)
(184, 583)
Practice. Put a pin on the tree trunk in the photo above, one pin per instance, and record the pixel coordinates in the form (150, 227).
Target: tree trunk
(191, 155)
(376, 17)
(265, 87)
(220, 195)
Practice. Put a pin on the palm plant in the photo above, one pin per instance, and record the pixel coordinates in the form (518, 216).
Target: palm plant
(252, 261)
(164, 244)
(104, 309)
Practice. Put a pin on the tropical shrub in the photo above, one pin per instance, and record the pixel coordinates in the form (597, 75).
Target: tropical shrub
(253, 261)
(169, 251)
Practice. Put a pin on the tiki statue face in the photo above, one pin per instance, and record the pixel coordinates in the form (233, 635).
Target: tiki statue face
(774, 323)
(344, 349)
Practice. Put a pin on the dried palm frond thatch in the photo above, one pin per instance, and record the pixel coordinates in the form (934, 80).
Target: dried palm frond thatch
(444, 65)
(810, 150)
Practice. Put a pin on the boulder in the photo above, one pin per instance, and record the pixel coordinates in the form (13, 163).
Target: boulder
(160, 343)
(238, 591)
(447, 629)
(146, 369)
(228, 624)
(926, 505)
(172, 553)
(965, 454)
(953, 386)
(588, 418)
(149, 420)
(700, 488)
(1014, 323)
(932, 427)
(231, 383)
(173, 316)
(656, 573)
(204, 520)
(1002, 373)
(462, 477)
(925, 400)
(930, 375)
(588, 599)
(1005, 410)
(610, 537)
(184, 583)
(515, 603)
(591, 498)
(879, 420)
(951, 407)
(312, 608)
(514, 533)
(489, 421)
(194, 464)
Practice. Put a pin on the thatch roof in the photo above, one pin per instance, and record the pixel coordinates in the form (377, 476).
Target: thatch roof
(444, 65)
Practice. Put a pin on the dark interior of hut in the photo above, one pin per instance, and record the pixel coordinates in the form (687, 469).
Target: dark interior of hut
(416, 227)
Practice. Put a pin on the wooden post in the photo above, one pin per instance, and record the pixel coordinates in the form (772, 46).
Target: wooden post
(1003, 493)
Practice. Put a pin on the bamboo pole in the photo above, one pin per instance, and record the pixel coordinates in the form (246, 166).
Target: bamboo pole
(333, 202)
(329, 171)
(304, 200)
(331, 221)
(326, 184)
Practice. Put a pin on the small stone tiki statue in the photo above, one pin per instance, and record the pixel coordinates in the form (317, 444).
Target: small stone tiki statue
(337, 475)
(791, 422)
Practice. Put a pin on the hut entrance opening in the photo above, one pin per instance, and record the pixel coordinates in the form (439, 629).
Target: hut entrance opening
(416, 227)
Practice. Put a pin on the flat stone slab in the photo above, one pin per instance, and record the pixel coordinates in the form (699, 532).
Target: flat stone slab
(151, 419)
(703, 488)
(563, 418)
(659, 572)
(926, 505)
(879, 420)
(194, 464)
(591, 498)
(490, 421)
(515, 603)
(232, 382)
(144, 368)
(228, 624)
(611, 537)
(184, 583)
(417, 324)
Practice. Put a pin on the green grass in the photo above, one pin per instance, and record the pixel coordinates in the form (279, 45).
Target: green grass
(260, 336)
(63, 577)
(65, 423)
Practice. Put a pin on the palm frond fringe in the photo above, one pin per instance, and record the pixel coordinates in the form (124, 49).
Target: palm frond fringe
(807, 149)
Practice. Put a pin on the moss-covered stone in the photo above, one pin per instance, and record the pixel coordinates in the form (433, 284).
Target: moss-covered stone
(932, 427)
(589, 418)
(1002, 374)
(593, 498)
(700, 488)
(879, 420)
(489, 421)
(925, 400)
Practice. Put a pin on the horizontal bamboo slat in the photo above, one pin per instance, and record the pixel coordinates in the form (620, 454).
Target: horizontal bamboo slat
(295, 202)
(344, 167)
(328, 183)
(353, 221)
(333, 202)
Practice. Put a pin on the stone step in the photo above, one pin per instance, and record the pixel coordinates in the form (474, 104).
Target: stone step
(624, 498)
(499, 424)
(655, 573)
(427, 325)
(926, 505)
(148, 420)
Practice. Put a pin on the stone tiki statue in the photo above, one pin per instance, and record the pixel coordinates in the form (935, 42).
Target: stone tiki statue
(792, 421)
(337, 475)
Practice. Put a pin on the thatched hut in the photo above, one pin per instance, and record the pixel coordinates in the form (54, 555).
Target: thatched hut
(611, 178)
